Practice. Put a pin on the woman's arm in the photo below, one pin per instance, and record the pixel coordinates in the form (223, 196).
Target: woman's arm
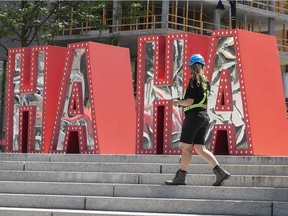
(184, 103)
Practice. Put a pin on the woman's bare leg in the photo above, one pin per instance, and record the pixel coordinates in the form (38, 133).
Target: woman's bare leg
(180, 177)
(221, 174)
(186, 156)
(206, 155)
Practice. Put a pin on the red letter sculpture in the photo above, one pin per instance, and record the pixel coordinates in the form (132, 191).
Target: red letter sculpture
(161, 74)
(248, 113)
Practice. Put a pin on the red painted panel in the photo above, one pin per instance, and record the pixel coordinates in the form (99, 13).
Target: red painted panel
(54, 64)
(224, 96)
(108, 109)
(10, 99)
(223, 134)
(265, 95)
(262, 96)
(75, 106)
(113, 98)
(75, 140)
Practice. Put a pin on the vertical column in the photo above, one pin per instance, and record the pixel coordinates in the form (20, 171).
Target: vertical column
(233, 13)
(165, 14)
(271, 26)
(117, 11)
(271, 21)
(201, 18)
(219, 11)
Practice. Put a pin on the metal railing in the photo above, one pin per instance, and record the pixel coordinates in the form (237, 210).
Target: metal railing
(282, 44)
(279, 7)
(168, 21)
(147, 23)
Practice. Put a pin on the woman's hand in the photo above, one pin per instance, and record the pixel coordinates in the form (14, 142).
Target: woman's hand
(183, 103)
(175, 102)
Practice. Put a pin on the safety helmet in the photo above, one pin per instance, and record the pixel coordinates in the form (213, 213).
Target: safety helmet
(196, 58)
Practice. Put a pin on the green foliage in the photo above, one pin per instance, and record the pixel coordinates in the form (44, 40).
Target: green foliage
(24, 21)
(113, 40)
(132, 10)
(30, 22)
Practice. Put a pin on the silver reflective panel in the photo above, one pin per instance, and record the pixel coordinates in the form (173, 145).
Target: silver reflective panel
(18, 101)
(39, 100)
(226, 59)
(35, 99)
(152, 93)
(78, 74)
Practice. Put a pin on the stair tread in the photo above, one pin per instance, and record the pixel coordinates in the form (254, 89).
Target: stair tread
(91, 212)
(135, 183)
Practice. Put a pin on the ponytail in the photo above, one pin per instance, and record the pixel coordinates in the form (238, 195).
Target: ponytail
(203, 81)
(200, 78)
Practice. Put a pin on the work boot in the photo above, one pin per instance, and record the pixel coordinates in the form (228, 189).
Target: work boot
(179, 179)
(221, 175)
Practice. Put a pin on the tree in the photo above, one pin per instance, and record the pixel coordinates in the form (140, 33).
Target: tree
(132, 10)
(30, 22)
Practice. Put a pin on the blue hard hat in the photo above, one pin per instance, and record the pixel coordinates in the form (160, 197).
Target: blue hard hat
(196, 58)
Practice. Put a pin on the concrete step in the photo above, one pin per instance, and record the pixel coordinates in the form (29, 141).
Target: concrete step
(13, 165)
(81, 177)
(146, 191)
(153, 205)
(134, 184)
(90, 158)
(141, 178)
(202, 192)
(192, 206)
(208, 180)
(172, 159)
(245, 160)
(57, 188)
(235, 169)
(4, 211)
(24, 157)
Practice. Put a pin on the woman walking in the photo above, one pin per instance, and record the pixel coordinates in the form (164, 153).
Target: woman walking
(196, 124)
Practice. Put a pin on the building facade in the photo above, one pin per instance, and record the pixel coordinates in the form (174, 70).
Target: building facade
(174, 16)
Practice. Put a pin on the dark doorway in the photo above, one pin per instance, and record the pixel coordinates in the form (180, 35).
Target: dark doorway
(73, 143)
(25, 122)
(160, 129)
(221, 145)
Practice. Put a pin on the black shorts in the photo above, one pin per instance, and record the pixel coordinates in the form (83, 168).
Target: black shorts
(195, 127)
